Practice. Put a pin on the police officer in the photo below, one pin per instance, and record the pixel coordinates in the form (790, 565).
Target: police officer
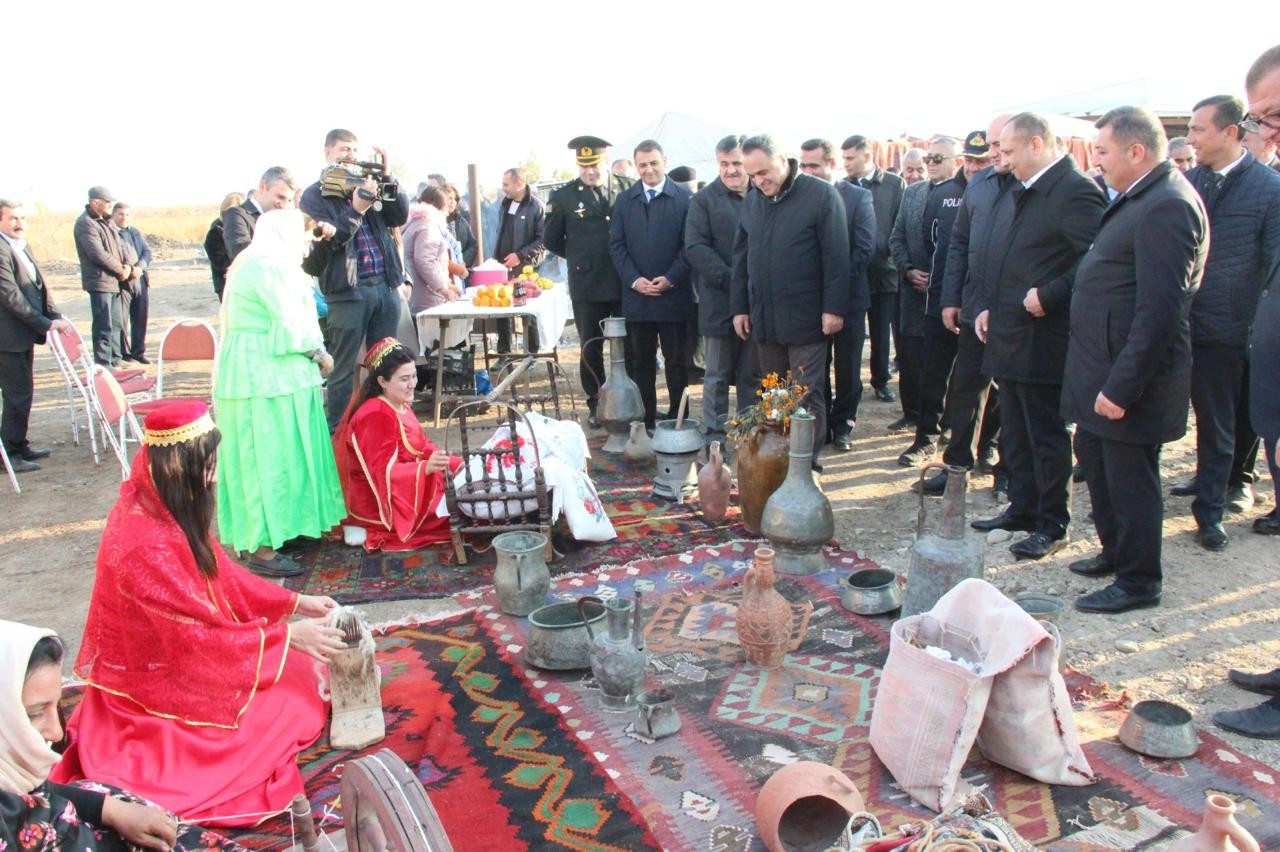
(578, 216)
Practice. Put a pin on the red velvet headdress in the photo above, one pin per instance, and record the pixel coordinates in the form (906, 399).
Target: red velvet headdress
(175, 422)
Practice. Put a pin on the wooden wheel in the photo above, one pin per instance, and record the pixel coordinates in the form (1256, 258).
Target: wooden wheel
(385, 808)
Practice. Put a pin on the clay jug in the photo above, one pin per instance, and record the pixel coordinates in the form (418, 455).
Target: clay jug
(805, 805)
(1219, 831)
(764, 616)
(639, 448)
(762, 467)
(714, 483)
(797, 518)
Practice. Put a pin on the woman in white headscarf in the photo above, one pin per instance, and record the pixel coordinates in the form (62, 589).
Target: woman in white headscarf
(276, 475)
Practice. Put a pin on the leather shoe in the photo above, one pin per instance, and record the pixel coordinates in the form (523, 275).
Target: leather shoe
(1037, 546)
(1115, 599)
(1268, 524)
(1263, 684)
(843, 441)
(141, 359)
(21, 465)
(934, 486)
(1095, 566)
(35, 453)
(1006, 520)
(1261, 722)
(277, 566)
(917, 454)
(593, 422)
(886, 395)
(1240, 498)
(902, 424)
(1212, 538)
(1185, 488)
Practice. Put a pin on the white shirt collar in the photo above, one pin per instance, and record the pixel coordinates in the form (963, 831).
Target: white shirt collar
(1026, 184)
(20, 249)
(1225, 170)
(1138, 181)
(18, 245)
(255, 203)
(656, 189)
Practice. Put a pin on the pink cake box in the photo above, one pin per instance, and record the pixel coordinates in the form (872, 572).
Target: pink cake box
(481, 276)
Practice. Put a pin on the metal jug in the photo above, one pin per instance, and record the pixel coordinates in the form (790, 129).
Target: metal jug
(797, 518)
(521, 578)
(618, 401)
(618, 657)
(941, 560)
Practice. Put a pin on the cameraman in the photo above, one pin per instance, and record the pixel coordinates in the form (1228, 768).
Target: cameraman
(364, 269)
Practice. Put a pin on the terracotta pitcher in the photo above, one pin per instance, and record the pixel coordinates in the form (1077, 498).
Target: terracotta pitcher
(805, 805)
(764, 616)
(1219, 831)
(714, 483)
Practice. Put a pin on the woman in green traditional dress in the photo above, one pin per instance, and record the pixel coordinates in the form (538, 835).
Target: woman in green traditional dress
(276, 475)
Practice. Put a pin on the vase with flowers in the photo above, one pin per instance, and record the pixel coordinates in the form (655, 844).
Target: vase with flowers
(758, 434)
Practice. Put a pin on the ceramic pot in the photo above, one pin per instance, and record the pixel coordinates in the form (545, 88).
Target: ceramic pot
(764, 619)
(714, 484)
(797, 517)
(1219, 831)
(762, 467)
(1160, 729)
(805, 805)
(521, 577)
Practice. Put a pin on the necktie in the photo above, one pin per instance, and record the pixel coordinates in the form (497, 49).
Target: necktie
(1213, 186)
(653, 193)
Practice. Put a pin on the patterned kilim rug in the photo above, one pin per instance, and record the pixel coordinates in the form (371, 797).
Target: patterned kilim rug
(646, 526)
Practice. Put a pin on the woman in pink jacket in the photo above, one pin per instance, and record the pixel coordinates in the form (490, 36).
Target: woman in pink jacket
(426, 252)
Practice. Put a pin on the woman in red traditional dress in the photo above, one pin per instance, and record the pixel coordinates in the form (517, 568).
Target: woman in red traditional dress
(392, 474)
(200, 692)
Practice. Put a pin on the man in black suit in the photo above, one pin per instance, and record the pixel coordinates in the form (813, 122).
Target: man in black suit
(1128, 374)
(519, 244)
(27, 314)
(1023, 322)
(135, 296)
(276, 191)
(578, 216)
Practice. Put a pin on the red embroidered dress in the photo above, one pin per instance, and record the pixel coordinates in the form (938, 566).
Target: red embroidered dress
(194, 699)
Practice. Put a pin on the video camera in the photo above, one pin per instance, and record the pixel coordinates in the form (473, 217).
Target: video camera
(343, 179)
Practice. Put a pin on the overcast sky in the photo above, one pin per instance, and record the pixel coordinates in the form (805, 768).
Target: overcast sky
(181, 102)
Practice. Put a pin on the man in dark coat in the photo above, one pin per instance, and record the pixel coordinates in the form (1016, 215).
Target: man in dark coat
(1024, 322)
(578, 217)
(1128, 369)
(646, 240)
(276, 190)
(911, 255)
(27, 315)
(790, 271)
(520, 242)
(1242, 199)
(135, 298)
(103, 272)
(882, 276)
(709, 232)
(844, 351)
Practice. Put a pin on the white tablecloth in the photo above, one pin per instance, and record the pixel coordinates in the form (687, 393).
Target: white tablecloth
(551, 310)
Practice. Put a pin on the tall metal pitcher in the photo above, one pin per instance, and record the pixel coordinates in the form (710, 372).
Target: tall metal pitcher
(618, 401)
(943, 558)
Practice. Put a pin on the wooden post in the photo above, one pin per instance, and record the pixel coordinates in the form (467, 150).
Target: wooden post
(477, 209)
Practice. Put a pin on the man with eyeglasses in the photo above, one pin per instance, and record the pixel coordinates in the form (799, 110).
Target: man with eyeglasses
(943, 199)
(1242, 199)
(1182, 154)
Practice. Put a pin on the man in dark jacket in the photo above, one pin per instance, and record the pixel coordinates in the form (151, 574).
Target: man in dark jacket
(363, 272)
(134, 298)
(646, 240)
(103, 272)
(1242, 199)
(882, 276)
(27, 315)
(943, 199)
(709, 232)
(276, 190)
(844, 352)
(790, 271)
(520, 242)
(578, 217)
(911, 256)
(1024, 322)
(1128, 369)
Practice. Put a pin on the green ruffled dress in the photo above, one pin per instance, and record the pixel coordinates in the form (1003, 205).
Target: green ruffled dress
(276, 475)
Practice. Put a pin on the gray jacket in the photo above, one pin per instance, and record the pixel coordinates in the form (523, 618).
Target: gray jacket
(101, 257)
(910, 251)
(709, 231)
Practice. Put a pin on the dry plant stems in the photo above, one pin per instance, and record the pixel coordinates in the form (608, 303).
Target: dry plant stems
(777, 399)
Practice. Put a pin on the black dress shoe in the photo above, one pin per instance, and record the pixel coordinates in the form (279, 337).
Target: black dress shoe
(1212, 538)
(1006, 520)
(35, 453)
(1240, 498)
(141, 359)
(1263, 684)
(593, 422)
(1185, 488)
(1095, 566)
(1115, 599)
(902, 424)
(21, 465)
(1268, 524)
(843, 441)
(934, 486)
(1037, 546)
(1261, 722)
(917, 454)
(886, 395)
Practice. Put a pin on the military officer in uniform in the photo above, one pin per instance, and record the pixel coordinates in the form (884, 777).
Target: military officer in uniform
(578, 216)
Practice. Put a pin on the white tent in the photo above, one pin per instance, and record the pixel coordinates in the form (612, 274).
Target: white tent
(687, 141)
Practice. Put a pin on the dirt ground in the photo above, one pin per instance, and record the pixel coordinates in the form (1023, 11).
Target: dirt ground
(1220, 610)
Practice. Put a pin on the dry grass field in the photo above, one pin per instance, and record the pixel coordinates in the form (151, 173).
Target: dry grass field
(51, 238)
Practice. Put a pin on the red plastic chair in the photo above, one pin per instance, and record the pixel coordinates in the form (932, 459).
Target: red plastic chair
(115, 414)
(188, 339)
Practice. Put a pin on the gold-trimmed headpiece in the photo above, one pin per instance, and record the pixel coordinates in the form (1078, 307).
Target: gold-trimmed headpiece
(177, 422)
(380, 350)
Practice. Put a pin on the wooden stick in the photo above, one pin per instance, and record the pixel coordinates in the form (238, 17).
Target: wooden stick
(302, 818)
(684, 405)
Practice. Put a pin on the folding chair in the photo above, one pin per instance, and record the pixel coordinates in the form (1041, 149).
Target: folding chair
(114, 413)
(8, 466)
(73, 357)
(188, 339)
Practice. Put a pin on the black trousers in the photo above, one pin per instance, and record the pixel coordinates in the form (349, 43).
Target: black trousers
(972, 400)
(586, 318)
(16, 390)
(133, 312)
(1036, 448)
(937, 358)
(1128, 508)
(645, 337)
(844, 353)
(910, 351)
(1226, 447)
(879, 327)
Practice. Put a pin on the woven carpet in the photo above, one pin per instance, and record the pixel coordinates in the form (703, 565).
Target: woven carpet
(646, 526)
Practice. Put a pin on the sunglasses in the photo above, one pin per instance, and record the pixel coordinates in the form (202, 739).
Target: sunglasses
(1254, 123)
(936, 159)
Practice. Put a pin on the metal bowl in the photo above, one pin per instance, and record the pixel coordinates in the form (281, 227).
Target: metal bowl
(1159, 729)
(1040, 606)
(872, 591)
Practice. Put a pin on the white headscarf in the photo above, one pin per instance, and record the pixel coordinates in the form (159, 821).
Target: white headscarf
(279, 235)
(25, 758)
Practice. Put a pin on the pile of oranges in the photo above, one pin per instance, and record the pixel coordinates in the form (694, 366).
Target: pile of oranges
(492, 296)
